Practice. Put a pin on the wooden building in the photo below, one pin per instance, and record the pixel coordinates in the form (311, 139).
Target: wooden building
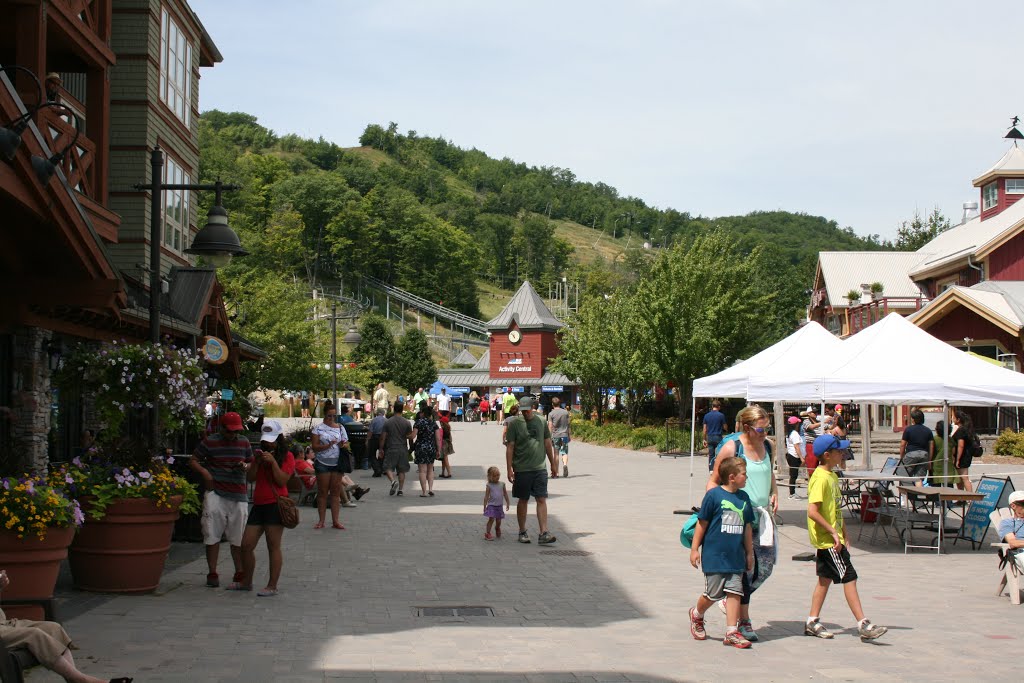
(74, 248)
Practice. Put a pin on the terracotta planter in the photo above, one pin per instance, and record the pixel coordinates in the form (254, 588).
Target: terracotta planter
(33, 566)
(125, 551)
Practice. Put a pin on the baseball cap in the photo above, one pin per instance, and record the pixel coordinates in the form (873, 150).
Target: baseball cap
(827, 442)
(526, 403)
(810, 409)
(271, 430)
(793, 419)
(1017, 497)
(839, 407)
(231, 422)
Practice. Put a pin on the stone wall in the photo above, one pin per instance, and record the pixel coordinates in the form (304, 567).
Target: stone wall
(30, 398)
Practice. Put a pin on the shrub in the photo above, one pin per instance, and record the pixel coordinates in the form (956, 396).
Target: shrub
(1009, 442)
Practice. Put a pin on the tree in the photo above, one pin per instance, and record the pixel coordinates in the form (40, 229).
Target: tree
(705, 307)
(415, 367)
(378, 347)
(917, 232)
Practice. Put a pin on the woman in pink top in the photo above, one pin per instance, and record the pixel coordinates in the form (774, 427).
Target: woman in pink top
(273, 468)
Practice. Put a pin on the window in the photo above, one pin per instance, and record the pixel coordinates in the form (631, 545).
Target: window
(1015, 186)
(989, 196)
(176, 213)
(175, 68)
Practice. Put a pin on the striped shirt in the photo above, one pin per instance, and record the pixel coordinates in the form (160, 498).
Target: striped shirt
(226, 462)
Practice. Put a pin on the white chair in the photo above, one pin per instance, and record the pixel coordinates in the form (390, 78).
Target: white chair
(1011, 573)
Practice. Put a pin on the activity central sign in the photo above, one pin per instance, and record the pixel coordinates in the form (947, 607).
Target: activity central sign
(514, 365)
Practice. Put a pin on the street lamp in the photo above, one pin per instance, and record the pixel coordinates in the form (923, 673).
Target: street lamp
(216, 242)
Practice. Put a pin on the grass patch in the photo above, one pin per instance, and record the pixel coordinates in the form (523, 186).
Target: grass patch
(621, 435)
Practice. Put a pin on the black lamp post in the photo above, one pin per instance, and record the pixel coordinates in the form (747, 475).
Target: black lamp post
(216, 242)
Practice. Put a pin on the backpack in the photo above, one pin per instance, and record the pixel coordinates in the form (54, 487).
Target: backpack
(974, 443)
(686, 534)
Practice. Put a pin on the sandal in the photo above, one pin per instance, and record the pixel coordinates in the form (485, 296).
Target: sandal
(267, 593)
(430, 493)
(236, 586)
(318, 525)
(338, 525)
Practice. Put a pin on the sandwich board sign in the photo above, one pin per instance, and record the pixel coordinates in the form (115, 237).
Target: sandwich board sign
(976, 519)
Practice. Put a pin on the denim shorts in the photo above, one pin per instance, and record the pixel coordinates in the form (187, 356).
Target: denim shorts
(264, 515)
(321, 468)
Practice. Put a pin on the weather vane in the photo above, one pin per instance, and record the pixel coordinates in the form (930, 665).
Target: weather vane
(1014, 134)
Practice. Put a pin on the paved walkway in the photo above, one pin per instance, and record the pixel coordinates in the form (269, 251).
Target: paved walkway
(613, 610)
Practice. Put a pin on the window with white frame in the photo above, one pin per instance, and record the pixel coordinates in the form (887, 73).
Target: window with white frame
(176, 209)
(1015, 186)
(989, 196)
(175, 68)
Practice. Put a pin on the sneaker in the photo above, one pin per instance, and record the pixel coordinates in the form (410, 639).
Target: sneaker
(212, 581)
(747, 630)
(360, 492)
(394, 487)
(488, 536)
(869, 631)
(565, 470)
(721, 605)
(794, 497)
(524, 537)
(349, 504)
(697, 625)
(546, 539)
(400, 493)
(817, 629)
(736, 639)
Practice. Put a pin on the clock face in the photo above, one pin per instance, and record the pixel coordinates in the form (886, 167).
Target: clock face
(514, 336)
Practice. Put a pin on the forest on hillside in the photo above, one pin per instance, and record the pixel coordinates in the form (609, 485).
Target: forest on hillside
(423, 214)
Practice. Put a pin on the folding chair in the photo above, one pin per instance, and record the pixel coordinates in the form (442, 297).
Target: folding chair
(1011, 579)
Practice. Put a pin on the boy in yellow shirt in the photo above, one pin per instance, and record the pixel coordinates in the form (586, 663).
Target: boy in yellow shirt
(828, 535)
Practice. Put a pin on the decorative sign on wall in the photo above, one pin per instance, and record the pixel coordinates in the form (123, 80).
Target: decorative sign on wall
(552, 389)
(514, 365)
(215, 351)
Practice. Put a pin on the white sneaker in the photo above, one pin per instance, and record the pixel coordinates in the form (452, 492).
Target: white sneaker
(721, 605)
(349, 504)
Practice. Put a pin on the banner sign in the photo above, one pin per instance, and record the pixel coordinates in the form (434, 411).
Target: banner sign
(215, 351)
(976, 521)
(227, 394)
(552, 388)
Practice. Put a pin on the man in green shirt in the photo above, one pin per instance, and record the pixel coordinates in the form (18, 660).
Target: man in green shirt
(508, 400)
(529, 442)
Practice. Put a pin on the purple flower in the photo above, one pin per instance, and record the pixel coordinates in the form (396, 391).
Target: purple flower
(68, 479)
(30, 487)
(170, 459)
(79, 517)
(144, 475)
(7, 485)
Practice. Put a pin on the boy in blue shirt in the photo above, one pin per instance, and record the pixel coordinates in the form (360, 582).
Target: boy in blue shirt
(723, 544)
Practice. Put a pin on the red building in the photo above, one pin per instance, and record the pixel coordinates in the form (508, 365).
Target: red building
(965, 286)
(523, 342)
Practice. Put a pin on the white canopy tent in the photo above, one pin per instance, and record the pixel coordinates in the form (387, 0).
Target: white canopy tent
(809, 345)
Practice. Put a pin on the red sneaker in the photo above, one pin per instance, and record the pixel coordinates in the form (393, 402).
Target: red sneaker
(736, 639)
(697, 625)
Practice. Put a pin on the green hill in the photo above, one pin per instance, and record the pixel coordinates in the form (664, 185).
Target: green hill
(438, 220)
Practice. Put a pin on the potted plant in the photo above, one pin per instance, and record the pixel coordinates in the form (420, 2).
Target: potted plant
(876, 289)
(128, 492)
(853, 296)
(36, 528)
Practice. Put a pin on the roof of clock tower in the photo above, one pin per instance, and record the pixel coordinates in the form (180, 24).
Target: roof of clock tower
(527, 310)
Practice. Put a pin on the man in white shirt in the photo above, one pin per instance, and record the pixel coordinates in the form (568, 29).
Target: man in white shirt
(381, 398)
(444, 402)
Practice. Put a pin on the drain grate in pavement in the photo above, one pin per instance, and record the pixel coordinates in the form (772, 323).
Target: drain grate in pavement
(567, 553)
(465, 611)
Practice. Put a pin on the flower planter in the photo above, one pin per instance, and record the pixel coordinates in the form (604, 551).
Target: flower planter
(125, 551)
(32, 565)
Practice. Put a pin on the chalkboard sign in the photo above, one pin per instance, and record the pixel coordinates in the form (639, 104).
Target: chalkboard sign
(976, 521)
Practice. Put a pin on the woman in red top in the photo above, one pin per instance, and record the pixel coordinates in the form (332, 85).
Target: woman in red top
(485, 410)
(273, 468)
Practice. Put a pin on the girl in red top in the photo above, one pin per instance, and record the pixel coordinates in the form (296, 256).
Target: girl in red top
(485, 410)
(273, 468)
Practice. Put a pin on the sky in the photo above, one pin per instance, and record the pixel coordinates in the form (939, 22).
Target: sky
(860, 112)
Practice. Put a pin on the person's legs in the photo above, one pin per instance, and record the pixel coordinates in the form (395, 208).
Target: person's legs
(542, 514)
(819, 595)
(249, 542)
(490, 523)
(732, 611)
(853, 600)
(64, 666)
(323, 488)
(212, 555)
(274, 534)
(965, 480)
(421, 470)
(334, 493)
(430, 478)
(704, 604)
(522, 507)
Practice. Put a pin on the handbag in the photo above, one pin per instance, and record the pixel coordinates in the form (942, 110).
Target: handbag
(288, 511)
(686, 533)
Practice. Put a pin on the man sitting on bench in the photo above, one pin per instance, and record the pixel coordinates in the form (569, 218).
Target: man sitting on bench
(46, 641)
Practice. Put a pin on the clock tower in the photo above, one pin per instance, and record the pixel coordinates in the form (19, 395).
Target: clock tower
(523, 339)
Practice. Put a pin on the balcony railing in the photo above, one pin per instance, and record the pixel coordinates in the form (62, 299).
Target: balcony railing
(865, 314)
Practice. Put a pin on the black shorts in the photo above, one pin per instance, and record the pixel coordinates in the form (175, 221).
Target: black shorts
(530, 484)
(835, 565)
(264, 515)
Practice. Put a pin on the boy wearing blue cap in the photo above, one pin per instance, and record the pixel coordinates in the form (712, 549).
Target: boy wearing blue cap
(828, 535)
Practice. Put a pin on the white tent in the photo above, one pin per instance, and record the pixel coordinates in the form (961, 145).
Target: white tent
(892, 362)
(809, 346)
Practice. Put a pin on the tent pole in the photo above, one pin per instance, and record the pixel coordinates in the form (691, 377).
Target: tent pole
(997, 419)
(865, 433)
(693, 440)
(780, 434)
(945, 444)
